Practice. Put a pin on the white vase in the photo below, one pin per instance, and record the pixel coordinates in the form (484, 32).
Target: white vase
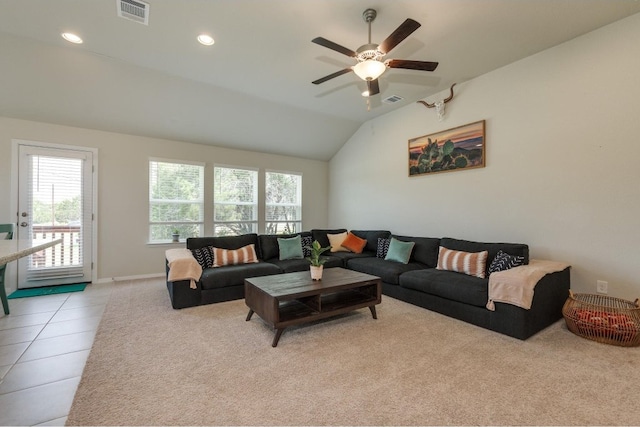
(316, 272)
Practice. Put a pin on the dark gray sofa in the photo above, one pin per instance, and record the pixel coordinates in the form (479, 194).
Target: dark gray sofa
(418, 282)
(465, 297)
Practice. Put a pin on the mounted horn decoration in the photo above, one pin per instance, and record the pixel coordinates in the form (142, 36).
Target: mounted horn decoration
(439, 105)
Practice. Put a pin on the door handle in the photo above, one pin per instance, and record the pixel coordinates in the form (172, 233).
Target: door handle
(23, 224)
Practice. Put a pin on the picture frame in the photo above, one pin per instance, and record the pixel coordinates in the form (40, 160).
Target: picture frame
(455, 149)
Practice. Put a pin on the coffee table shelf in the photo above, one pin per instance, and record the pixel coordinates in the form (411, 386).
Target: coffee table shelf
(290, 299)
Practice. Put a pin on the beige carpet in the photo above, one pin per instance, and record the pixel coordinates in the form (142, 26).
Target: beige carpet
(152, 365)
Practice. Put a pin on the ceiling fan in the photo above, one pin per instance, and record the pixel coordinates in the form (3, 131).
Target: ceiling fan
(370, 65)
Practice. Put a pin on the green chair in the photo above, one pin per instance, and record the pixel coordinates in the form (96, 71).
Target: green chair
(8, 229)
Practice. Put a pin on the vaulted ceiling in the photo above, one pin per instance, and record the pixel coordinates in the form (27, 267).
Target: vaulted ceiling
(252, 89)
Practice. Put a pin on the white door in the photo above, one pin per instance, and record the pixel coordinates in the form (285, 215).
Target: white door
(55, 199)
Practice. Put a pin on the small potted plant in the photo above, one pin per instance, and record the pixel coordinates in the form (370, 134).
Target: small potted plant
(176, 235)
(315, 260)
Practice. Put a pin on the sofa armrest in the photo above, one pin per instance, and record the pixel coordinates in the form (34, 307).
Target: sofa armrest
(550, 294)
(181, 293)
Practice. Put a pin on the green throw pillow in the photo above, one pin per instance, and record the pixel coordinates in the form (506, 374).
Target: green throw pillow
(290, 248)
(399, 251)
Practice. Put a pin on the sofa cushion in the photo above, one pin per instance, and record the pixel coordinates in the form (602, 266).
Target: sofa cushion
(470, 263)
(517, 249)
(354, 243)
(234, 275)
(345, 256)
(321, 235)
(223, 242)
(243, 255)
(291, 265)
(504, 261)
(383, 247)
(290, 248)
(425, 251)
(268, 247)
(372, 236)
(448, 284)
(399, 251)
(388, 271)
(333, 261)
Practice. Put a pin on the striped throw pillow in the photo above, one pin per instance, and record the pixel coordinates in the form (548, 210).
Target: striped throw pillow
(244, 255)
(470, 263)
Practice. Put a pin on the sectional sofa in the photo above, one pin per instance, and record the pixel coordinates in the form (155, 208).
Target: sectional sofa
(418, 281)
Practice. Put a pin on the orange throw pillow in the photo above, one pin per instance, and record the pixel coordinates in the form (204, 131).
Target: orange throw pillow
(354, 243)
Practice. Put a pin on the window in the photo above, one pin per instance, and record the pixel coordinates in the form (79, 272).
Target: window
(283, 198)
(235, 201)
(176, 199)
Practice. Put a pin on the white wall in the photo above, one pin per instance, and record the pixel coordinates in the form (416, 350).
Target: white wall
(123, 187)
(561, 173)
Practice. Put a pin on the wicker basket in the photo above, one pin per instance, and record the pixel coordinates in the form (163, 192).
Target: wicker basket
(603, 319)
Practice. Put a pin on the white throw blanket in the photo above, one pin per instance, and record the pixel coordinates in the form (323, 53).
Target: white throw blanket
(516, 285)
(183, 266)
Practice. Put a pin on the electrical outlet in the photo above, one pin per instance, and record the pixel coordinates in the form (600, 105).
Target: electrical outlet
(602, 287)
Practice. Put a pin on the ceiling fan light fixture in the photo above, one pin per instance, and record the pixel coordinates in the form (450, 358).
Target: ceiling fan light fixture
(369, 70)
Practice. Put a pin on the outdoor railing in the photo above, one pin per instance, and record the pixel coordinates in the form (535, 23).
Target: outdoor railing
(65, 254)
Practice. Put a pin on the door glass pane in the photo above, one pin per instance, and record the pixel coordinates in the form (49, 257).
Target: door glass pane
(56, 210)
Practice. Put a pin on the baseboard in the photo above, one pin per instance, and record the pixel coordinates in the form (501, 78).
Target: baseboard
(123, 278)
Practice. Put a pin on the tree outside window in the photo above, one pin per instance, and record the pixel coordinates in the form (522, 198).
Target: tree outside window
(176, 202)
(235, 201)
(283, 194)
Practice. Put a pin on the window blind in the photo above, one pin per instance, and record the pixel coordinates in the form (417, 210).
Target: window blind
(55, 204)
(176, 199)
(283, 195)
(235, 196)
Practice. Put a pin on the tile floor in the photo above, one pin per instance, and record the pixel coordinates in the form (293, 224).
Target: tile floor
(44, 344)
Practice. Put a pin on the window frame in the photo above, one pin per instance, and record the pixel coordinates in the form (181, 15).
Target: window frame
(199, 201)
(256, 196)
(299, 204)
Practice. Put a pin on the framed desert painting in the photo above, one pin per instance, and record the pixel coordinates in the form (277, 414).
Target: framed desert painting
(450, 150)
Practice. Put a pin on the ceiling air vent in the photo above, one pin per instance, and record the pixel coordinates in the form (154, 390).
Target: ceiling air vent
(392, 99)
(134, 10)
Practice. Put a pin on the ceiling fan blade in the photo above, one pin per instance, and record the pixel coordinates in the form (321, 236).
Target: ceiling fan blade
(401, 33)
(331, 76)
(334, 46)
(373, 87)
(412, 65)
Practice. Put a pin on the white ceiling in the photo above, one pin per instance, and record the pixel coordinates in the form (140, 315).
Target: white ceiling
(252, 89)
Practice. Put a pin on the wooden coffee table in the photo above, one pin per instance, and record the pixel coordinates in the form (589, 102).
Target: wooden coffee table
(288, 299)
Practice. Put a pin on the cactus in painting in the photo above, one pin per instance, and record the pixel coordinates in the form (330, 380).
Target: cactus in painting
(435, 157)
(461, 161)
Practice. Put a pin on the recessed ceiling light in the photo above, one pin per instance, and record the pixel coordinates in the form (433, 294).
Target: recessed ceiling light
(70, 37)
(206, 39)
